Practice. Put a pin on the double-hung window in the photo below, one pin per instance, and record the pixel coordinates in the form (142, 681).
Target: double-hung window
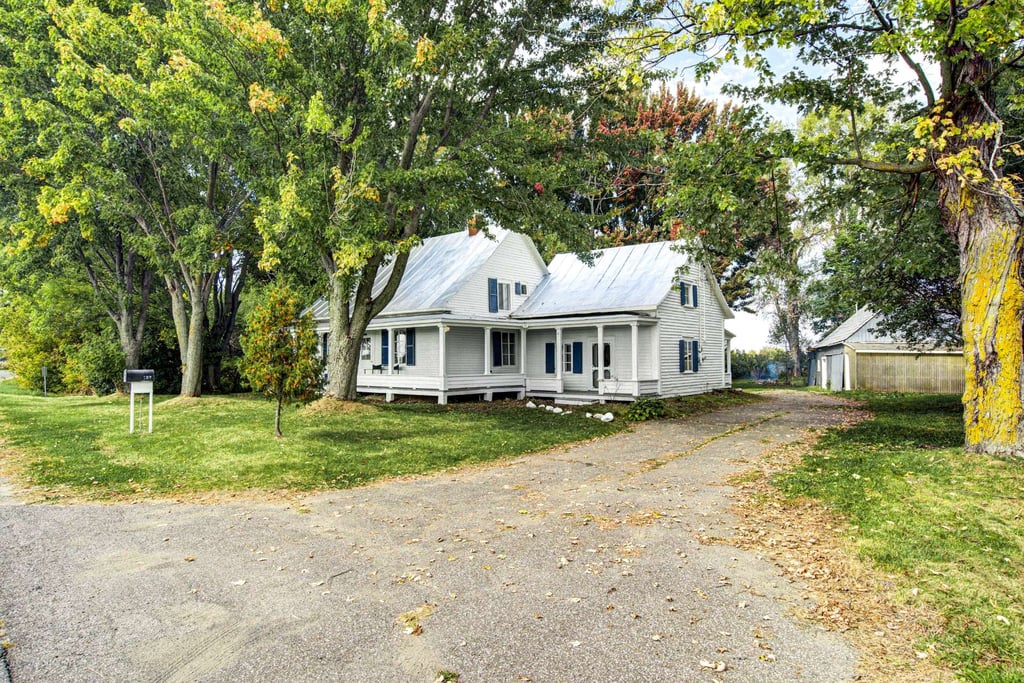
(689, 355)
(504, 296)
(687, 294)
(503, 348)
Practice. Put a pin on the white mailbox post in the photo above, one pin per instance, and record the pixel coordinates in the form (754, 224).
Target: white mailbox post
(139, 382)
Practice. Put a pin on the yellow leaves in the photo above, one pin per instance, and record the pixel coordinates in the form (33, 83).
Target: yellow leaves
(255, 29)
(264, 99)
(426, 52)
(179, 62)
(377, 11)
(352, 256)
(364, 191)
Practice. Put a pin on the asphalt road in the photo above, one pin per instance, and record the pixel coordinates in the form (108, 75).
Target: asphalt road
(581, 564)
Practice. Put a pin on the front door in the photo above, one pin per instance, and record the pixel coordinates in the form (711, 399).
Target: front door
(600, 363)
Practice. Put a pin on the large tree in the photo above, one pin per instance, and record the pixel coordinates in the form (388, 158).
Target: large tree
(141, 129)
(38, 155)
(398, 121)
(942, 66)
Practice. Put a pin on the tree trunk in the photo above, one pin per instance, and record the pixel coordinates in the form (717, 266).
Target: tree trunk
(991, 238)
(180, 317)
(793, 336)
(192, 368)
(277, 417)
(345, 340)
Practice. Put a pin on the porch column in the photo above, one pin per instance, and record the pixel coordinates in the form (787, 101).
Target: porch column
(522, 352)
(558, 354)
(394, 350)
(600, 358)
(487, 350)
(441, 356)
(634, 329)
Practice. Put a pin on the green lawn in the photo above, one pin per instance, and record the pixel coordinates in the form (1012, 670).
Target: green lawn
(80, 446)
(948, 522)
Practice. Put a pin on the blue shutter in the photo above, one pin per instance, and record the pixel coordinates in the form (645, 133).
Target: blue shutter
(549, 358)
(495, 349)
(695, 296)
(326, 335)
(696, 355)
(519, 288)
(410, 346)
(682, 355)
(682, 293)
(492, 294)
(383, 347)
(577, 358)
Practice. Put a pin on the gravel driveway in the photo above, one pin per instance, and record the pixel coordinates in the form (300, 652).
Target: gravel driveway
(581, 564)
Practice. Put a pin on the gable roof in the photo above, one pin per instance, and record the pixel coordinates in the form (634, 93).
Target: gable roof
(847, 328)
(631, 278)
(437, 270)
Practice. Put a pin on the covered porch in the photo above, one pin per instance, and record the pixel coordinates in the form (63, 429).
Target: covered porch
(591, 359)
(442, 356)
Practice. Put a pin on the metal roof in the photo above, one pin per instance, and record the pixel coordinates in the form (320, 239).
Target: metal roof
(847, 328)
(436, 271)
(630, 278)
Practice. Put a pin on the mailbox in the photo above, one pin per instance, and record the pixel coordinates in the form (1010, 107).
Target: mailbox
(139, 382)
(139, 376)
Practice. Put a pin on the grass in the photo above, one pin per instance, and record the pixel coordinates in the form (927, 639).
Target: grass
(80, 446)
(947, 522)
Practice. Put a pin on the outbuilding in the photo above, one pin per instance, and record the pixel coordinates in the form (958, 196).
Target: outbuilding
(858, 355)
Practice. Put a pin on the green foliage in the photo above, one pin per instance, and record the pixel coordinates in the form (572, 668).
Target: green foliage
(47, 323)
(757, 365)
(644, 409)
(946, 522)
(80, 447)
(893, 257)
(94, 365)
(280, 351)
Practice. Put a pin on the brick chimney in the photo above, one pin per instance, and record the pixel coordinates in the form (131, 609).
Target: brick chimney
(472, 227)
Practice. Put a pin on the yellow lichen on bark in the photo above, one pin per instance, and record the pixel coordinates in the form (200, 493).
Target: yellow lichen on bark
(993, 301)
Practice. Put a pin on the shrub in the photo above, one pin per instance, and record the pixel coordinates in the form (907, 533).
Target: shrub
(644, 409)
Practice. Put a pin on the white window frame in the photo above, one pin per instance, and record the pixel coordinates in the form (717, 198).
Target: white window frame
(508, 349)
(687, 289)
(366, 349)
(688, 355)
(504, 296)
(567, 357)
(399, 347)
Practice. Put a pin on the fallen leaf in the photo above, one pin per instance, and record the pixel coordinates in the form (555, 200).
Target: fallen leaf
(189, 558)
(411, 619)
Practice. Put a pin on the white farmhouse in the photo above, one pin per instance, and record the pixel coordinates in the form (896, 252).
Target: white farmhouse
(480, 314)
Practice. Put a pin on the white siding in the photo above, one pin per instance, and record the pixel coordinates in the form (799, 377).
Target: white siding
(705, 324)
(535, 342)
(582, 381)
(428, 361)
(645, 359)
(464, 351)
(427, 354)
(515, 260)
